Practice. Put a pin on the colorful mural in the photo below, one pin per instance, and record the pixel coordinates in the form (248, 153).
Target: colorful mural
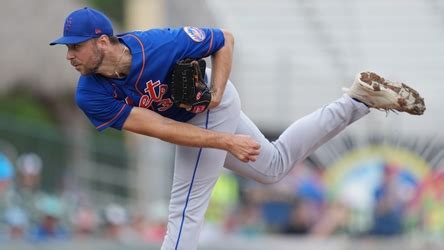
(354, 180)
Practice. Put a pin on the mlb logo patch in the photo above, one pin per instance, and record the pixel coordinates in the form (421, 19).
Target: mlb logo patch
(198, 35)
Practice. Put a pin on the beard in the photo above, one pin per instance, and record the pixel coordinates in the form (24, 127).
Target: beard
(96, 61)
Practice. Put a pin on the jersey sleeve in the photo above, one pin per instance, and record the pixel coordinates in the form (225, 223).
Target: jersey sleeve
(98, 103)
(199, 42)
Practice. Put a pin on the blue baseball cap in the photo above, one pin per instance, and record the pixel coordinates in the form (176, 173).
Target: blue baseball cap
(84, 24)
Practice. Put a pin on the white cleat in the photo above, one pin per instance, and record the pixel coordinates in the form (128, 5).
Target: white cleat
(379, 93)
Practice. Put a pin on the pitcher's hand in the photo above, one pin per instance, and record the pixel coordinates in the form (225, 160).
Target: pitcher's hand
(244, 148)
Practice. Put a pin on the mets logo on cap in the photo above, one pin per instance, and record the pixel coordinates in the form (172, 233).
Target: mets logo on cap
(198, 35)
(68, 23)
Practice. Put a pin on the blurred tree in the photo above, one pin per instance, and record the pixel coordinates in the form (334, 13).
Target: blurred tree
(25, 106)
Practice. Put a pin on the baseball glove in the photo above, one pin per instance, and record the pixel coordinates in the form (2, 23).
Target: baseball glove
(188, 87)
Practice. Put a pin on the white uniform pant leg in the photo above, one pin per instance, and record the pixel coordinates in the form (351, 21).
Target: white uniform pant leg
(297, 142)
(195, 174)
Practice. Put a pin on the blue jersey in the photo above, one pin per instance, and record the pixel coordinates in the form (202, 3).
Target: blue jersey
(107, 102)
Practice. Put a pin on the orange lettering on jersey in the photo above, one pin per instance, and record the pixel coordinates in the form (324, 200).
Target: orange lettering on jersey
(152, 87)
(154, 93)
(145, 101)
(165, 104)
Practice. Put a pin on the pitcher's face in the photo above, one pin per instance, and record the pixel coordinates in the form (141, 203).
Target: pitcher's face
(85, 57)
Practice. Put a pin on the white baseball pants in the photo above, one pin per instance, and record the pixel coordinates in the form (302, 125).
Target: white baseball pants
(197, 169)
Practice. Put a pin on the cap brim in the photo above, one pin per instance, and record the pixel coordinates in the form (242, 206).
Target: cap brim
(70, 40)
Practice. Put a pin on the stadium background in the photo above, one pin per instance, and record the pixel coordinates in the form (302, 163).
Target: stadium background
(110, 190)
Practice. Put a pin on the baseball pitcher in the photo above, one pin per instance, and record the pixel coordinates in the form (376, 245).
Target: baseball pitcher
(154, 83)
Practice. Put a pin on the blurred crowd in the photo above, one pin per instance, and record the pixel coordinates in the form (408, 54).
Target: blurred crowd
(300, 204)
(303, 203)
(27, 213)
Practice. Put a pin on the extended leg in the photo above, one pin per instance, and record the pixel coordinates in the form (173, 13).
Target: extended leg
(306, 134)
(297, 142)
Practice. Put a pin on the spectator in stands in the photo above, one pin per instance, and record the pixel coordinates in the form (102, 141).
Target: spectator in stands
(150, 228)
(50, 226)
(6, 175)
(308, 202)
(27, 188)
(247, 220)
(17, 222)
(84, 221)
(389, 205)
(116, 219)
(302, 217)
